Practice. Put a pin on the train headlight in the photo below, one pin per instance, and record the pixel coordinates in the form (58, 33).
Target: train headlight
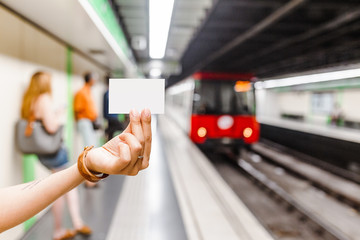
(202, 132)
(247, 132)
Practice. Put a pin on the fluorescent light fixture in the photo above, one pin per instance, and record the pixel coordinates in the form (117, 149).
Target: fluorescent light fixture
(107, 35)
(311, 78)
(160, 12)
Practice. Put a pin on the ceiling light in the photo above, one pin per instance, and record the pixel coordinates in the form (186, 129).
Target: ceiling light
(106, 34)
(311, 78)
(155, 72)
(160, 12)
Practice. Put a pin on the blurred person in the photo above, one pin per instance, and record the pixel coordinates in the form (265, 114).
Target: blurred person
(113, 122)
(86, 114)
(37, 104)
(336, 116)
(126, 154)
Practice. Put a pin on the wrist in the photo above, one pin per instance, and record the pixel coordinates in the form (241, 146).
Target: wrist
(89, 160)
(85, 166)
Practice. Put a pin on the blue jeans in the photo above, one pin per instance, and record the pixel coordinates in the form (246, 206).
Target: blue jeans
(55, 161)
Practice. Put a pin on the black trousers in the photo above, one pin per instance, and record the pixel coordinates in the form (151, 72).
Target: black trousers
(113, 126)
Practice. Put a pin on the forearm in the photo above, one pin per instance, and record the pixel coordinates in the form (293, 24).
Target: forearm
(126, 154)
(21, 202)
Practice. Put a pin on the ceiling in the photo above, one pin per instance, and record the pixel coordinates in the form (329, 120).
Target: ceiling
(76, 29)
(275, 37)
(265, 37)
(188, 15)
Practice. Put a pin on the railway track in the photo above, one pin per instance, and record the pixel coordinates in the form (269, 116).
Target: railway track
(299, 197)
(345, 190)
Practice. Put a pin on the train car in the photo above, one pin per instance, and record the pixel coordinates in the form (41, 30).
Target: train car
(215, 109)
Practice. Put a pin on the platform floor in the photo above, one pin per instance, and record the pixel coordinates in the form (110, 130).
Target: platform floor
(179, 197)
(123, 207)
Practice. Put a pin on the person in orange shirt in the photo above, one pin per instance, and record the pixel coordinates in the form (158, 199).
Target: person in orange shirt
(86, 114)
(84, 105)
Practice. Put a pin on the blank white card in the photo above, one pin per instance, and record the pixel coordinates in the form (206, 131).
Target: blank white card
(127, 94)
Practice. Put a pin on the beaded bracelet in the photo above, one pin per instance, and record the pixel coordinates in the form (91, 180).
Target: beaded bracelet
(84, 171)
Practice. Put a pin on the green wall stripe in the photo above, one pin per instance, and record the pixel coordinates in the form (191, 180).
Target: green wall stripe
(29, 167)
(29, 223)
(69, 125)
(28, 176)
(29, 160)
(106, 14)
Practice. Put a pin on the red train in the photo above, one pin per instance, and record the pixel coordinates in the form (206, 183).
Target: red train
(215, 109)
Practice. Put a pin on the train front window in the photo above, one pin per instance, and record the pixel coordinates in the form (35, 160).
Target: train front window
(220, 97)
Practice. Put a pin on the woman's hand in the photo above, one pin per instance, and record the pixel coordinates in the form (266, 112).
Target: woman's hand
(127, 153)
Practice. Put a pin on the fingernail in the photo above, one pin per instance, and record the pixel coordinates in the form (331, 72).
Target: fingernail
(134, 113)
(147, 112)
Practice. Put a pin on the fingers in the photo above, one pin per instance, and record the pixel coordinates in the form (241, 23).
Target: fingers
(146, 128)
(105, 161)
(140, 127)
(134, 145)
(123, 161)
(125, 148)
(136, 128)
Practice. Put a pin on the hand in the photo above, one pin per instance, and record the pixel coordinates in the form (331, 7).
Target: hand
(121, 154)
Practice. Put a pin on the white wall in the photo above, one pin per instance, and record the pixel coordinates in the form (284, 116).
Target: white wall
(265, 107)
(23, 51)
(350, 104)
(297, 103)
(271, 103)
